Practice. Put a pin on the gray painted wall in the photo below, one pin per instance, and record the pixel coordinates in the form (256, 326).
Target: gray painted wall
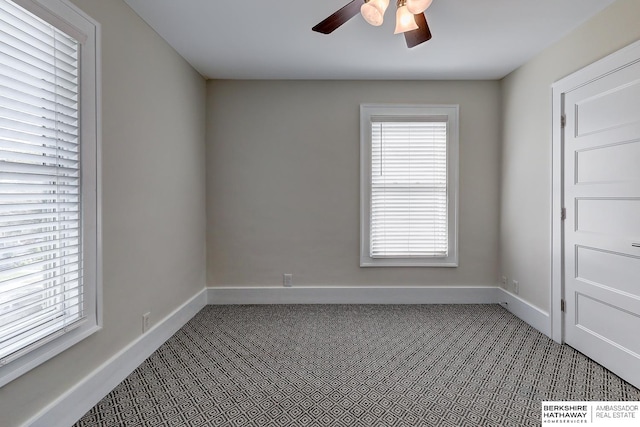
(153, 200)
(283, 184)
(525, 226)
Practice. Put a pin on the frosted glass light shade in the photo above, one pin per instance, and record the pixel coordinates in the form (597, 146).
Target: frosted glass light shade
(405, 21)
(373, 11)
(418, 6)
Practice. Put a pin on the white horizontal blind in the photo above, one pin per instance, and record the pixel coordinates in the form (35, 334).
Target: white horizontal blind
(40, 212)
(408, 189)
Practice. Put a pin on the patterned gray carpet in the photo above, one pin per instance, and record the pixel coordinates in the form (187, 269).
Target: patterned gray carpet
(354, 365)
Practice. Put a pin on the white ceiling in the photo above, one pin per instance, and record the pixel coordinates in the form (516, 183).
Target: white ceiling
(272, 39)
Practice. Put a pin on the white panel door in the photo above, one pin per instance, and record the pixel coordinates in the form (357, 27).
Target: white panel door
(602, 227)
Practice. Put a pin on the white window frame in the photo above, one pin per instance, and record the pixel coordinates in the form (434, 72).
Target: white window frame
(401, 113)
(70, 19)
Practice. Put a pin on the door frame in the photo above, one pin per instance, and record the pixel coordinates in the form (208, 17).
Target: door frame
(622, 58)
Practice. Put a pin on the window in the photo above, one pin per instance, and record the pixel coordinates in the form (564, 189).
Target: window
(49, 182)
(408, 183)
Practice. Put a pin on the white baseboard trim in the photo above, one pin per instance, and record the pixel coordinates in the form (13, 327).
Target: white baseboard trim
(525, 311)
(72, 405)
(352, 295)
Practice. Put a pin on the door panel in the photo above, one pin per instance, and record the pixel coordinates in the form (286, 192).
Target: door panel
(602, 198)
(623, 103)
(617, 218)
(611, 323)
(589, 163)
(616, 270)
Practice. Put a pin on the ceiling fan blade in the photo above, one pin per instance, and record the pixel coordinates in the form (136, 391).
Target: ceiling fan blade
(334, 21)
(421, 35)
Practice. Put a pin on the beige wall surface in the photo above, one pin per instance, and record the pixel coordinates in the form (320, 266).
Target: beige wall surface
(525, 226)
(283, 182)
(153, 200)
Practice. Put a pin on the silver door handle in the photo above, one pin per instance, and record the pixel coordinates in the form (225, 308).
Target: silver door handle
(636, 245)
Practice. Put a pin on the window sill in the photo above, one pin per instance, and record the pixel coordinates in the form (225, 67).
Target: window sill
(406, 262)
(14, 369)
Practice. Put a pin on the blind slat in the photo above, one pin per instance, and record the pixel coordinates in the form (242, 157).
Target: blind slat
(46, 265)
(45, 55)
(11, 25)
(33, 98)
(30, 325)
(51, 91)
(29, 138)
(51, 171)
(37, 218)
(36, 117)
(40, 128)
(23, 249)
(40, 197)
(14, 179)
(24, 286)
(43, 291)
(23, 106)
(43, 258)
(49, 297)
(38, 159)
(28, 279)
(34, 227)
(38, 207)
(33, 24)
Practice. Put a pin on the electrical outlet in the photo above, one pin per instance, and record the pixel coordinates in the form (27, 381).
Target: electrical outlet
(504, 282)
(287, 280)
(516, 287)
(146, 322)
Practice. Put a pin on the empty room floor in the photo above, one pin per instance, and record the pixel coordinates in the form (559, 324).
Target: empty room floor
(354, 365)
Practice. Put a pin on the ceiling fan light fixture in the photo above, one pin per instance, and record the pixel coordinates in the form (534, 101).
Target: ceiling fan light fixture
(414, 26)
(405, 21)
(373, 11)
(418, 6)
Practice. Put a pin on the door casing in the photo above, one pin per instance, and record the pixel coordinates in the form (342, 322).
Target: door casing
(622, 58)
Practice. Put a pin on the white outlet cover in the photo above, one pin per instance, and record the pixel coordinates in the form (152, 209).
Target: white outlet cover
(146, 322)
(287, 279)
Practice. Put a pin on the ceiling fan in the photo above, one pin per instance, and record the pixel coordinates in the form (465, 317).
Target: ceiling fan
(410, 18)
